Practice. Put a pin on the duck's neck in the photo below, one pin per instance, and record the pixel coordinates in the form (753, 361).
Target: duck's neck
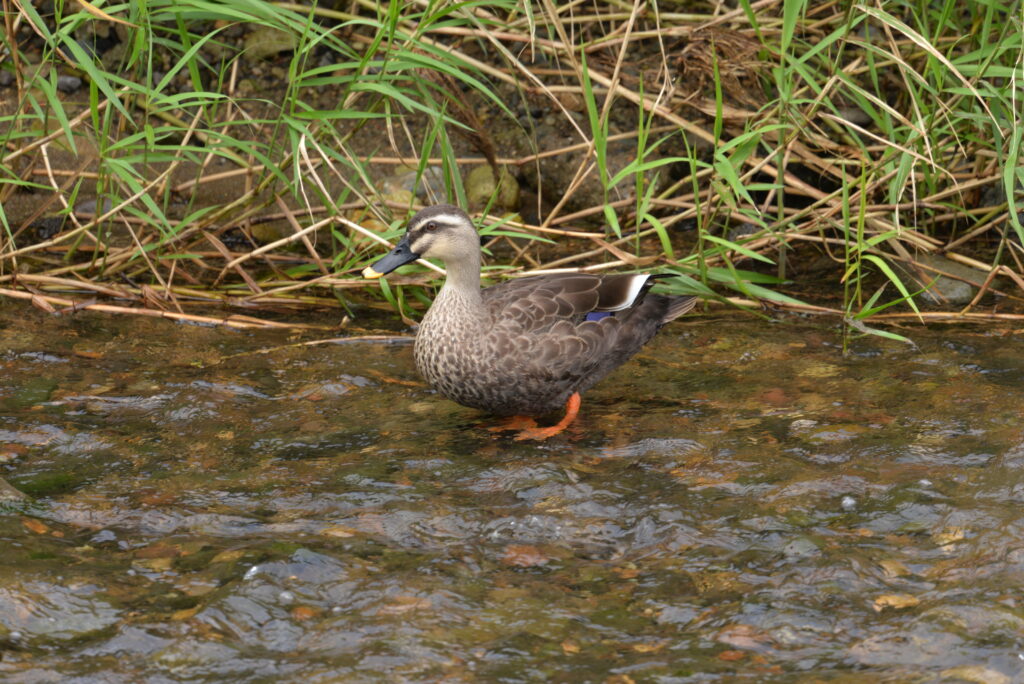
(458, 309)
(463, 281)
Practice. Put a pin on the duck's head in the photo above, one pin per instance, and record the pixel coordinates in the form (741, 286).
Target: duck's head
(443, 232)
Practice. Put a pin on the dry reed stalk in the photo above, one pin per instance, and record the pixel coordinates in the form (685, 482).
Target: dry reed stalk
(234, 321)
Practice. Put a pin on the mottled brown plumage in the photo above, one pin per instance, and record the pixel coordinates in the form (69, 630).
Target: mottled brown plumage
(522, 347)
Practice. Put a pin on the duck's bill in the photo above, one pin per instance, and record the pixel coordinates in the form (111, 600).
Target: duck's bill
(399, 256)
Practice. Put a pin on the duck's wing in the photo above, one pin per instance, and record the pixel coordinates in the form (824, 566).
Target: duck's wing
(572, 329)
(537, 302)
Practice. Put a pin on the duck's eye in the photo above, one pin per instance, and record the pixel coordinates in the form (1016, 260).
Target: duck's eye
(430, 227)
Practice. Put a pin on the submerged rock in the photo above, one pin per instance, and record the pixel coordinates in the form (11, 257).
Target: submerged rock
(9, 493)
(40, 611)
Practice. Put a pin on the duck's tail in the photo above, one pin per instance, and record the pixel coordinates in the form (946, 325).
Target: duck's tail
(674, 307)
(677, 306)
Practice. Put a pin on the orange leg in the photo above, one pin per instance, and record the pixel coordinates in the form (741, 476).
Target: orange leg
(572, 407)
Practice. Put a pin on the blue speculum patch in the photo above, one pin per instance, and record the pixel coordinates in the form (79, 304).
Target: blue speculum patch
(597, 315)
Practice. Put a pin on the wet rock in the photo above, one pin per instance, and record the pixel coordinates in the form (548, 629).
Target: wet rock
(895, 602)
(68, 84)
(131, 639)
(428, 186)
(741, 231)
(265, 42)
(88, 207)
(801, 426)
(89, 46)
(205, 656)
(978, 674)
(46, 228)
(9, 493)
(482, 189)
(855, 115)
(115, 56)
(992, 623)
(43, 612)
(916, 646)
(654, 447)
(818, 369)
(943, 289)
(677, 615)
(829, 434)
(995, 195)
(801, 547)
(32, 392)
(6, 78)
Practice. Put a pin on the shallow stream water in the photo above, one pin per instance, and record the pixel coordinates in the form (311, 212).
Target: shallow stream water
(740, 503)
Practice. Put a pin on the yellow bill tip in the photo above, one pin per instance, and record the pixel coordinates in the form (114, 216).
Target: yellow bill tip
(370, 274)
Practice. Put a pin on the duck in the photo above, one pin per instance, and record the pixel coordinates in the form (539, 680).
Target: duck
(526, 347)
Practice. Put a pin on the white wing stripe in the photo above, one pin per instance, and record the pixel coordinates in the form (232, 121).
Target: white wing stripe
(635, 286)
